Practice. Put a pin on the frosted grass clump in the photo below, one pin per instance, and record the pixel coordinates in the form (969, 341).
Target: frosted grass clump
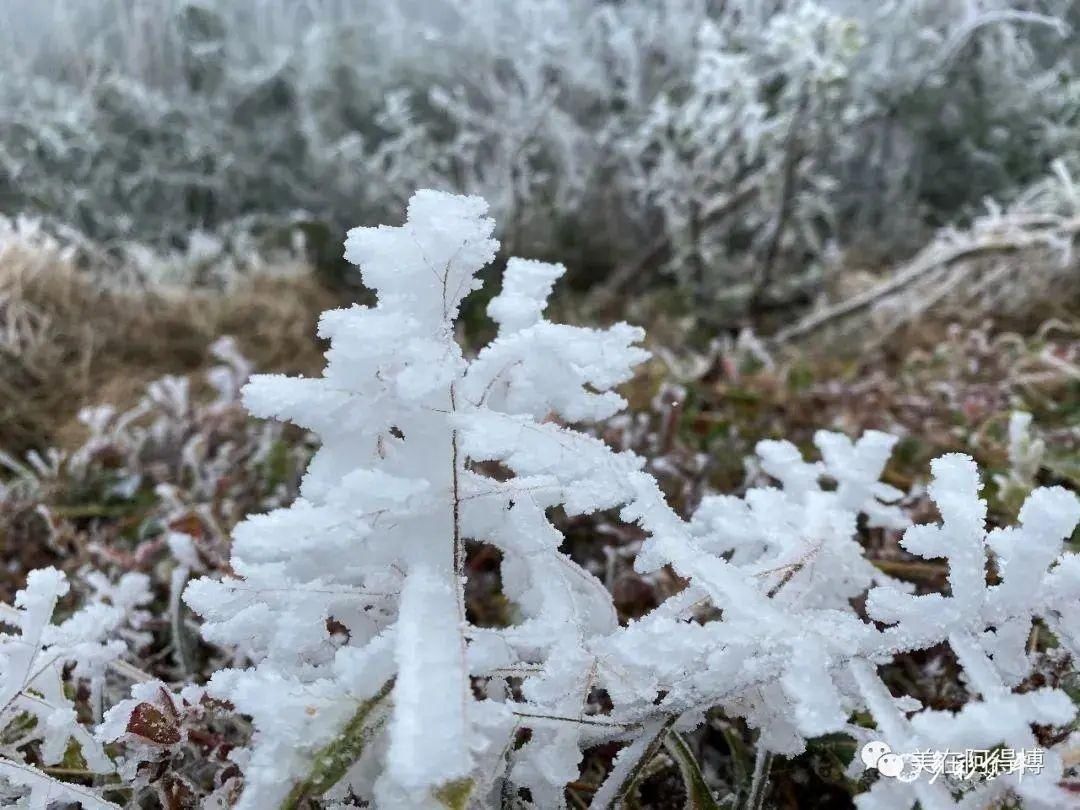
(36, 711)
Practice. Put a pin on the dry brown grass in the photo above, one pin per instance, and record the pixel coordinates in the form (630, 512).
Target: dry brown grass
(66, 340)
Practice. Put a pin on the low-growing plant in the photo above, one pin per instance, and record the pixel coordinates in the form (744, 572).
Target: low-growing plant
(367, 679)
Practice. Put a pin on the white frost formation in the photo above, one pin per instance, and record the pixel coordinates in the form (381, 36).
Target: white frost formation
(366, 674)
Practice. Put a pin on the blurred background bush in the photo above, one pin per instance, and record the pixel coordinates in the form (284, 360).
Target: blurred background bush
(739, 154)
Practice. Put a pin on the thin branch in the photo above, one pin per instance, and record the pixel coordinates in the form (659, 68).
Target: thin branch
(576, 720)
(793, 153)
(928, 261)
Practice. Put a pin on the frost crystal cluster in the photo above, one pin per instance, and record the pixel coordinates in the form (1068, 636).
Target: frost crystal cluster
(35, 709)
(368, 675)
(344, 622)
(353, 596)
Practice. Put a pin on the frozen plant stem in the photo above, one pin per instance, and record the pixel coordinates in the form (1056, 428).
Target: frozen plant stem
(333, 762)
(759, 784)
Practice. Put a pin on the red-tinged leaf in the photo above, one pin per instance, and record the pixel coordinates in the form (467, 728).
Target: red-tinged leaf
(150, 723)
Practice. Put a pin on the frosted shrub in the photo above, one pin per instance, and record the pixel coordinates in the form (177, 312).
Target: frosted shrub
(927, 136)
(736, 138)
(36, 712)
(793, 657)
(355, 594)
(737, 158)
(343, 617)
(350, 604)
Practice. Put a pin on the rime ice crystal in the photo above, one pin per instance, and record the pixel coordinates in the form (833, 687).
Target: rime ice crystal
(32, 664)
(388, 501)
(364, 673)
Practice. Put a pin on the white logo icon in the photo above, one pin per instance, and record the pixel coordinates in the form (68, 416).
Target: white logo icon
(873, 751)
(879, 755)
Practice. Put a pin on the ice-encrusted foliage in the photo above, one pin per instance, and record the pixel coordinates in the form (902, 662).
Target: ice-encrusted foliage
(37, 662)
(359, 584)
(342, 619)
(368, 675)
(988, 628)
(782, 566)
(791, 654)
